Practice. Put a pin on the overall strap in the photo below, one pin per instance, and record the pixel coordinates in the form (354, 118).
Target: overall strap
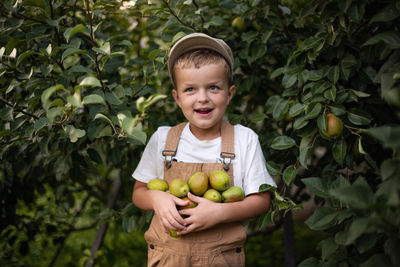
(227, 142)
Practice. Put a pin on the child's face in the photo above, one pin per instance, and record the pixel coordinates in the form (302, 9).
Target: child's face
(203, 95)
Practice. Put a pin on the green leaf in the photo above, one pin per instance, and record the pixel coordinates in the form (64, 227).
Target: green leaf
(312, 111)
(339, 151)
(360, 93)
(71, 51)
(391, 38)
(283, 142)
(69, 32)
(289, 79)
(25, 55)
(153, 99)
(388, 135)
(310, 262)
(322, 218)
(356, 229)
(75, 99)
(358, 117)
(129, 224)
(112, 99)
(304, 155)
(331, 93)
(321, 122)
(358, 195)
(105, 49)
(47, 94)
(300, 123)
(328, 247)
(268, 219)
(273, 168)
(258, 117)
(215, 21)
(90, 81)
(93, 99)
(40, 123)
(333, 74)
(386, 14)
(337, 109)
(280, 109)
(277, 72)
(315, 185)
(100, 116)
(73, 133)
(289, 175)
(389, 167)
(296, 109)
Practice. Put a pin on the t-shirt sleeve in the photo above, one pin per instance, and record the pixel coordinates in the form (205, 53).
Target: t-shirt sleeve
(149, 164)
(255, 169)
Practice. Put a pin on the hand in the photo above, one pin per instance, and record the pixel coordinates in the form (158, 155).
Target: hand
(203, 216)
(164, 205)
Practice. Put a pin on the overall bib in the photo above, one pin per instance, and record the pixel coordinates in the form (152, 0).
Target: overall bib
(221, 245)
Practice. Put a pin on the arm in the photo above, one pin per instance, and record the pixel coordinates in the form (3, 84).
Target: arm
(163, 204)
(207, 213)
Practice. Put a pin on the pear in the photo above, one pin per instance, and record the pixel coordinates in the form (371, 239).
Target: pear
(157, 184)
(191, 205)
(198, 183)
(213, 195)
(219, 180)
(173, 233)
(178, 188)
(232, 194)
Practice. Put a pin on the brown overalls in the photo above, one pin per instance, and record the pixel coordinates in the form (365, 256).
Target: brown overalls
(221, 245)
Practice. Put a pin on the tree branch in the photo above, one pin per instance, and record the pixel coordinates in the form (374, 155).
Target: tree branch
(176, 16)
(18, 109)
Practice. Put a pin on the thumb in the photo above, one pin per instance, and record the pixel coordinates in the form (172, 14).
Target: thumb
(181, 202)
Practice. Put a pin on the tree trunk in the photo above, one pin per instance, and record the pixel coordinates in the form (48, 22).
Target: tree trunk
(288, 242)
(98, 241)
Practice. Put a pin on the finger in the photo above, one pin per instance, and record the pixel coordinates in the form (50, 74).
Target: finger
(181, 202)
(194, 198)
(177, 219)
(187, 230)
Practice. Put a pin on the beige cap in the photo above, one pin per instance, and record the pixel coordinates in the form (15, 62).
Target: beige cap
(197, 41)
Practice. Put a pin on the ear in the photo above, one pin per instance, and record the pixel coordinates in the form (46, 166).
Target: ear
(231, 92)
(176, 97)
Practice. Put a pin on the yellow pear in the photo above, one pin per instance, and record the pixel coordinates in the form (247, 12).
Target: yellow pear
(213, 195)
(219, 180)
(198, 183)
(178, 187)
(191, 205)
(157, 184)
(334, 127)
(232, 194)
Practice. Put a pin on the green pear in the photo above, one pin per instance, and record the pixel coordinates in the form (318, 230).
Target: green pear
(198, 183)
(157, 184)
(178, 188)
(173, 233)
(213, 195)
(219, 180)
(191, 205)
(232, 194)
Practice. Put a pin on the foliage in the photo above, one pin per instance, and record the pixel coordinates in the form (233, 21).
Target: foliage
(80, 82)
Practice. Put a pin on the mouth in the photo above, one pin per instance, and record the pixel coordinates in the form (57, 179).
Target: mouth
(203, 111)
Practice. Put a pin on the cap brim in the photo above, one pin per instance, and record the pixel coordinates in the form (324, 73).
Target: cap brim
(199, 41)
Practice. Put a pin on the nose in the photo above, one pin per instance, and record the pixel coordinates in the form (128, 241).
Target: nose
(203, 96)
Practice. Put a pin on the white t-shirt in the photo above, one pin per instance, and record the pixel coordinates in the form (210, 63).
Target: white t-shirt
(249, 169)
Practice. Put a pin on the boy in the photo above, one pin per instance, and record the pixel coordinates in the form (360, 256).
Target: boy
(211, 233)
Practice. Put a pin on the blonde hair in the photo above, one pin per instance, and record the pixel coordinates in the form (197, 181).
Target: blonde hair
(198, 58)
